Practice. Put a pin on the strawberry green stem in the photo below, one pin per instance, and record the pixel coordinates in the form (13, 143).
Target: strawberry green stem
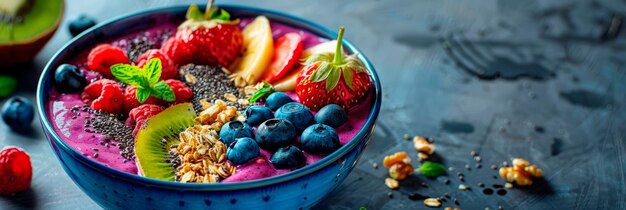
(338, 60)
(207, 12)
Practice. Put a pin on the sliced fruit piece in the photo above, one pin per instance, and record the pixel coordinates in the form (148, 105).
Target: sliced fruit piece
(326, 47)
(258, 51)
(150, 151)
(288, 83)
(287, 51)
(21, 40)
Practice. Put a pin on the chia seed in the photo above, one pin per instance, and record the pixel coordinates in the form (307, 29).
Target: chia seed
(212, 83)
(112, 128)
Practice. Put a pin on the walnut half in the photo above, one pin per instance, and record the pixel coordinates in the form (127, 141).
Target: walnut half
(521, 172)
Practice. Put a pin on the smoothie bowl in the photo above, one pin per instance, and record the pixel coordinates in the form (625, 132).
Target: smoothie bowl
(234, 107)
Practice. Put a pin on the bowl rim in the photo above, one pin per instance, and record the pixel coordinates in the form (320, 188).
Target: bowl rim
(249, 184)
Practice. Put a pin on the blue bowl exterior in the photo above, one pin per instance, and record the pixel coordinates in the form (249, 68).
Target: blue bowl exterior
(113, 189)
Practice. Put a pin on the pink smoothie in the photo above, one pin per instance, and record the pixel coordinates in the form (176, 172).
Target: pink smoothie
(70, 125)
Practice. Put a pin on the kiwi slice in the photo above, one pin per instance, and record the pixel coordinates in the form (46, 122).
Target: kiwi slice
(151, 151)
(26, 26)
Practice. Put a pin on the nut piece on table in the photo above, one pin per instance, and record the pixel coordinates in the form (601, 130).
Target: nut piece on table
(400, 171)
(521, 172)
(392, 183)
(432, 202)
(398, 157)
(423, 146)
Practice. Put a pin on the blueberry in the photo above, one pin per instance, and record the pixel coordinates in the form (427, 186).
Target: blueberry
(319, 139)
(80, 24)
(68, 79)
(258, 114)
(275, 133)
(233, 130)
(276, 100)
(18, 113)
(288, 157)
(296, 113)
(332, 115)
(242, 150)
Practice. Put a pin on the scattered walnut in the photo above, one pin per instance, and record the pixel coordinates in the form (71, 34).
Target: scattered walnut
(398, 157)
(392, 183)
(521, 172)
(424, 147)
(432, 202)
(400, 171)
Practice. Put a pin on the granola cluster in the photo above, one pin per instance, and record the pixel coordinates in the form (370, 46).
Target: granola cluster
(202, 156)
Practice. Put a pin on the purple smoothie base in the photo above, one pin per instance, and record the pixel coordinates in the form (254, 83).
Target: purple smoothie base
(70, 125)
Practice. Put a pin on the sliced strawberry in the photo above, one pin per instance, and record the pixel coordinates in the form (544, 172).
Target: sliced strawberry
(287, 52)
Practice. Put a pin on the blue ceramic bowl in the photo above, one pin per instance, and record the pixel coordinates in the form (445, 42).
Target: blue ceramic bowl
(113, 189)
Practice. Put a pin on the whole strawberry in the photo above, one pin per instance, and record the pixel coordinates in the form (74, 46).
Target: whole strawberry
(16, 170)
(209, 38)
(329, 78)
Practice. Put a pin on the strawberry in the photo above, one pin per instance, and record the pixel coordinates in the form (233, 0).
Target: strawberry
(181, 91)
(16, 170)
(329, 78)
(103, 56)
(139, 115)
(131, 101)
(168, 70)
(209, 38)
(104, 95)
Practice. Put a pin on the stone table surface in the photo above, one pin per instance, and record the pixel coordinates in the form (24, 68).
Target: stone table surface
(542, 80)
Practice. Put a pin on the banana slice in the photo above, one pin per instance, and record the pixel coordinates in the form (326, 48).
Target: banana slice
(258, 47)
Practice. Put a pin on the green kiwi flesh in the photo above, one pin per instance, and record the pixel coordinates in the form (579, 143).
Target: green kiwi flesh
(151, 153)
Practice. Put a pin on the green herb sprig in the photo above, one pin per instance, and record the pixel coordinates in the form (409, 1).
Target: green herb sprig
(145, 79)
(432, 169)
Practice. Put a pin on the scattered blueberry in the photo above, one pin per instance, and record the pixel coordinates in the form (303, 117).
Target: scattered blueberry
(275, 133)
(242, 150)
(233, 130)
(68, 79)
(319, 139)
(296, 113)
(18, 113)
(276, 100)
(332, 115)
(288, 157)
(258, 114)
(80, 24)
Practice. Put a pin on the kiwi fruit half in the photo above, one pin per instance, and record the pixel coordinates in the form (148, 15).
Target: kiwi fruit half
(25, 27)
(151, 151)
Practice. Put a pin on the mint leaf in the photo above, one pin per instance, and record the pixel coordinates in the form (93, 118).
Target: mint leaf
(261, 93)
(143, 95)
(7, 86)
(163, 91)
(431, 169)
(128, 74)
(194, 13)
(152, 71)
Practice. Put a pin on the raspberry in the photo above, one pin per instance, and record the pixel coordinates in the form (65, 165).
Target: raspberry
(180, 51)
(131, 101)
(102, 57)
(181, 91)
(104, 95)
(16, 170)
(168, 68)
(139, 115)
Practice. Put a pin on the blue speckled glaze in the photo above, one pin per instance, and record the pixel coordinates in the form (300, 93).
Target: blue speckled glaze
(113, 189)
